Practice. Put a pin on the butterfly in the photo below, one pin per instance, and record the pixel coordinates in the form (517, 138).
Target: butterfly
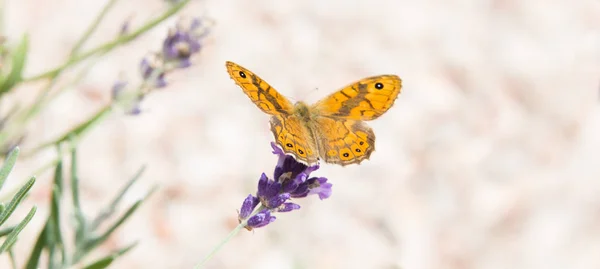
(333, 129)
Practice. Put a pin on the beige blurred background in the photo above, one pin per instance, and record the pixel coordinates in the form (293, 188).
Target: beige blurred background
(488, 159)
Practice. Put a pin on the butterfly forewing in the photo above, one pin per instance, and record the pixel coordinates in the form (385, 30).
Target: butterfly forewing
(260, 92)
(366, 99)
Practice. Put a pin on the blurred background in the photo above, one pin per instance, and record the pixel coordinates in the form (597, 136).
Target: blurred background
(488, 159)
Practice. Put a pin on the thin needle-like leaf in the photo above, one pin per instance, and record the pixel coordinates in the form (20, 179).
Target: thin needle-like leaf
(100, 239)
(107, 212)
(6, 231)
(12, 237)
(8, 165)
(36, 252)
(80, 222)
(10, 208)
(13, 260)
(17, 64)
(54, 239)
(108, 260)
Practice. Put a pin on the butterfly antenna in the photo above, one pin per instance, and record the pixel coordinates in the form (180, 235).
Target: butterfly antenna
(308, 94)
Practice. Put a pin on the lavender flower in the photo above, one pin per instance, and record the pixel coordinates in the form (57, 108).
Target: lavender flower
(181, 43)
(133, 107)
(125, 27)
(151, 69)
(291, 179)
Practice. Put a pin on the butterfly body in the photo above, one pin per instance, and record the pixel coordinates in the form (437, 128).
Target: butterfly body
(331, 129)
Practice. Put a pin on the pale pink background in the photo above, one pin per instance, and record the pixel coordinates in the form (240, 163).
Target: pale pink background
(488, 159)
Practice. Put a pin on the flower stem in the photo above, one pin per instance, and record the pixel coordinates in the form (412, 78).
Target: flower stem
(235, 231)
(110, 45)
(92, 28)
(220, 245)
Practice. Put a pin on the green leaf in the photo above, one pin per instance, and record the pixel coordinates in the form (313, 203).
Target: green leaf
(106, 261)
(80, 221)
(57, 188)
(17, 64)
(6, 231)
(13, 260)
(108, 211)
(51, 246)
(12, 237)
(10, 208)
(54, 240)
(36, 252)
(100, 239)
(8, 165)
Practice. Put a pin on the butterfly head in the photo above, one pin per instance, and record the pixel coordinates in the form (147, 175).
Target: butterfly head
(302, 110)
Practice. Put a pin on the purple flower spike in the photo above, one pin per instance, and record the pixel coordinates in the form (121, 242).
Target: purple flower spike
(320, 186)
(262, 185)
(260, 220)
(278, 200)
(292, 185)
(286, 164)
(291, 180)
(195, 24)
(118, 91)
(248, 206)
(277, 150)
(182, 43)
(271, 189)
(315, 185)
(311, 169)
(148, 67)
(118, 88)
(301, 191)
(287, 207)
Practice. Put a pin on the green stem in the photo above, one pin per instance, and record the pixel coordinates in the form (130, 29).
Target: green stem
(14, 130)
(92, 27)
(110, 45)
(76, 132)
(220, 245)
(235, 231)
(37, 105)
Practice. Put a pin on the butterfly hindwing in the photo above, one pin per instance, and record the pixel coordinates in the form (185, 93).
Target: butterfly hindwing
(294, 138)
(344, 141)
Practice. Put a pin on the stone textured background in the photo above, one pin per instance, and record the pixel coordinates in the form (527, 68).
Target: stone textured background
(488, 159)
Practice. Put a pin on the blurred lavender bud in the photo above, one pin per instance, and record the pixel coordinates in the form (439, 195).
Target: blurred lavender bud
(152, 71)
(117, 94)
(125, 26)
(184, 41)
(117, 89)
(136, 106)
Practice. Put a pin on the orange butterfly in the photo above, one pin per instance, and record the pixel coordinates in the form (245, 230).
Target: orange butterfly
(333, 128)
